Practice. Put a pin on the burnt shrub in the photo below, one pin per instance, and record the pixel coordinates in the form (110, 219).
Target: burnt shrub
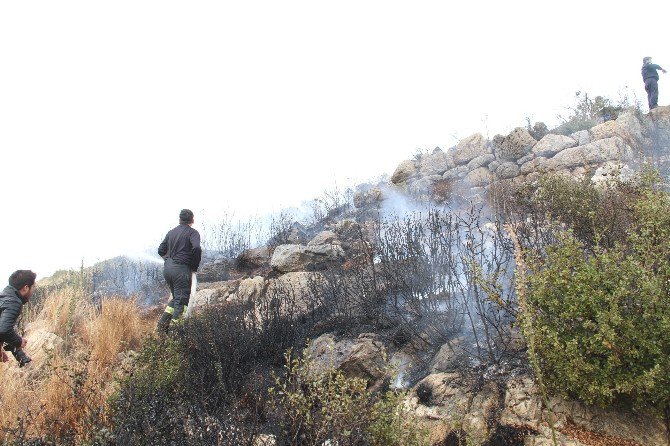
(207, 380)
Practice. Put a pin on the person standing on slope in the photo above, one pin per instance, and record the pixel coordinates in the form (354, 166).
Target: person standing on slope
(181, 251)
(650, 78)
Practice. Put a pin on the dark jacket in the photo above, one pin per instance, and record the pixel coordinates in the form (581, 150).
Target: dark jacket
(649, 71)
(182, 244)
(10, 309)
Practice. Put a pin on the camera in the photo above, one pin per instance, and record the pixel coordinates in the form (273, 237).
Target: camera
(19, 355)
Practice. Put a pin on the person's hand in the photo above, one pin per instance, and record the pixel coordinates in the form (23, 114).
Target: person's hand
(24, 342)
(664, 71)
(4, 357)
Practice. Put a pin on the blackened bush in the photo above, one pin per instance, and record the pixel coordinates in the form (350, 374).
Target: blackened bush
(207, 380)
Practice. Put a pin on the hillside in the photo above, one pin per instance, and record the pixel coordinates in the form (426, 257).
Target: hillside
(507, 291)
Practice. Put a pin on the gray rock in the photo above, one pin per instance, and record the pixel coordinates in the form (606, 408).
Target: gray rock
(294, 292)
(481, 161)
(582, 137)
(507, 170)
(551, 144)
(515, 145)
(610, 149)
(361, 358)
(612, 171)
(525, 159)
(494, 165)
(633, 122)
(455, 173)
(423, 186)
(479, 177)
(254, 257)
(214, 293)
(287, 258)
(435, 163)
(250, 290)
(403, 172)
(324, 238)
(447, 358)
(609, 129)
(469, 149)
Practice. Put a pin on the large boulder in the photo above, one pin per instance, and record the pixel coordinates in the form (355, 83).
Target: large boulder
(213, 293)
(296, 291)
(551, 144)
(455, 173)
(254, 258)
(287, 258)
(611, 129)
(316, 255)
(634, 124)
(363, 357)
(523, 408)
(507, 170)
(515, 145)
(326, 246)
(479, 177)
(403, 172)
(595, 153)
(481, 161)
(470, 148)
(582, 137)
(250, 290)
(435, 163)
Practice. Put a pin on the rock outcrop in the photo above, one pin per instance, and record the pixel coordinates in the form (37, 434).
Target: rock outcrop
(476, 162)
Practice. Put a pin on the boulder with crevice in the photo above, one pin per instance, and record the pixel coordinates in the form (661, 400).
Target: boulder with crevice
(515, 145)
(470, 148)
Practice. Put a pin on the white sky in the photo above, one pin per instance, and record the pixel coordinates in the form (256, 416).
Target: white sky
(116, 115)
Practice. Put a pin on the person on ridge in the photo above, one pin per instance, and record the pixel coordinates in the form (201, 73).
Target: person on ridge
(181, 251)
(650, 78)
(12, 299)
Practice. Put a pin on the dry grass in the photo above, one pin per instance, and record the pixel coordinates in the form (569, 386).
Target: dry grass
(66, 392)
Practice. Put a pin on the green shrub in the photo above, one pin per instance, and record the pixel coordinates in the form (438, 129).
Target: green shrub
(589, 112)
(329, 406)
(600, 317)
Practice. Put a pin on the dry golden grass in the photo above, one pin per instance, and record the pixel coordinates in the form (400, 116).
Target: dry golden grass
(68, 394)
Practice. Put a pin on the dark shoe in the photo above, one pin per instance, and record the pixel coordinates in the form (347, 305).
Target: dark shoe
(21, 357)
(163, 323)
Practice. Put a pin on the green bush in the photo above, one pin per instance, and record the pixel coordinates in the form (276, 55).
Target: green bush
(589, 112)
(331, 407)
(600, 317)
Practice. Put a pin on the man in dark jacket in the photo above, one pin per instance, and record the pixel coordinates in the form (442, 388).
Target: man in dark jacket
(12, 298)
(650, 78)
(181, 251)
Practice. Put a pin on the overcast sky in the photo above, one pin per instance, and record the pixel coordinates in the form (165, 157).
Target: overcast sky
(116, 115)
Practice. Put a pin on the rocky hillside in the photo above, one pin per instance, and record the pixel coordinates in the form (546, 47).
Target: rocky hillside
(411, 288)
(465, 383)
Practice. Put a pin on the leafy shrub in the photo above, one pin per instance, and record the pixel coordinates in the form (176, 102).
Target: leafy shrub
(337, 409)
(595, 214)
(589, 112)
(600, 317)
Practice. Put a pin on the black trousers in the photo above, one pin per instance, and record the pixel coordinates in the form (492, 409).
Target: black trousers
(651, 86)
(178, 278)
